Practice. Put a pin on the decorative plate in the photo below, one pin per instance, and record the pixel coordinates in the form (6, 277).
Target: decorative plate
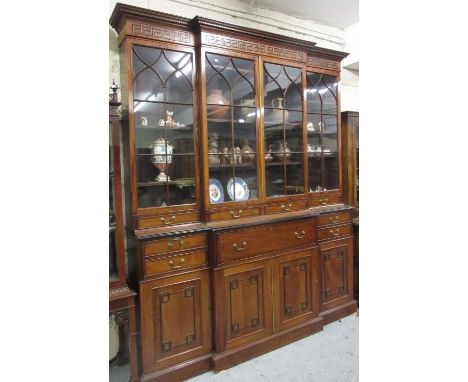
(242, 191)
(216, 192)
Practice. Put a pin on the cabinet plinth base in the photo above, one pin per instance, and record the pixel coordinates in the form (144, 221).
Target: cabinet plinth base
(233, 357)
(338, 312)
(181, 371)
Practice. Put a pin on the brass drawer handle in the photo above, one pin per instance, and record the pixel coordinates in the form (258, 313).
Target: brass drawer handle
(335, 233)
(283, 206)
(337, 218)
(181, 261)
(244, 245)
(233, 214)
(323, 201)
(170, 243)
(170, 221)
(299, 235)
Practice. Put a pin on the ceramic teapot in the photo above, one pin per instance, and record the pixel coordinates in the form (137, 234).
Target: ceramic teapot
(277, 113)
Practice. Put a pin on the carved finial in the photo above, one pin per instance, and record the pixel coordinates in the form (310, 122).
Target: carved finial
(114, 88)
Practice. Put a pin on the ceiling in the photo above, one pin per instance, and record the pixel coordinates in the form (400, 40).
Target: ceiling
(335, 13)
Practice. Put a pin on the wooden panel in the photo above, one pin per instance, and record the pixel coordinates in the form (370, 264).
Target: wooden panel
(245, 304)
(243, 243)
(176, 261)
(166, 220)
(160, 246)
(295, 205)
(233, 213)
(333, 218)
(325, 201)
(336, 273)
(175, 319)
(334, 232)
(296, 289)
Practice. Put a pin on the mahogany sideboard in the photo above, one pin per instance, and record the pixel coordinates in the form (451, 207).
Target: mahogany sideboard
(233, 160)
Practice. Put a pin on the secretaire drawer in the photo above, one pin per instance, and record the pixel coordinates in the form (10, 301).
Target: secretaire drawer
(334, 232)
(234, 213)
(286, 207)
(159, 264)
(247, 242)
(177, 243)
(334, 218)
(167, 220)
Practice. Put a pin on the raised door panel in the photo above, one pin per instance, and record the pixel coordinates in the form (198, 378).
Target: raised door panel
(295, 283)
(246, 304)
(336, 273)
(175, 320)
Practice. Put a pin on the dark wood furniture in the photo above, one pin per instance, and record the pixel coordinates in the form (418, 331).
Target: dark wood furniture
(244, 243)
(121, 298)
(350, 143)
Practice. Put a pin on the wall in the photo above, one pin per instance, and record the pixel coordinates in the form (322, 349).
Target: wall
(239, 13)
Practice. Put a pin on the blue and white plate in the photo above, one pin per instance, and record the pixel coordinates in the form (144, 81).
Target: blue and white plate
(216, 192)
(242, 191)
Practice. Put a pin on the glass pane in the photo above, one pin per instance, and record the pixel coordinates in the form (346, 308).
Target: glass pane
(151, 195)
(220, 174)
(294, 132)
(283, 87)
(295, 175)
(181, 189)
(331, 171)
(113, 271)
(275, 176)
(330, 133)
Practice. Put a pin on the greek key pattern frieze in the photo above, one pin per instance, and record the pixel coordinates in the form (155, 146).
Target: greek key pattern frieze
(165, 34)
(323, 63)
(253, 47)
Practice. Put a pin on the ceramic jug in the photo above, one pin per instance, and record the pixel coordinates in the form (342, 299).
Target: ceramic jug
(277, 113)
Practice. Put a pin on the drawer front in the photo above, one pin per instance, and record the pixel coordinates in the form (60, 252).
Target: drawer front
(334, 232)
(234, 213)
(325, 201)
(255, 241)
(334, 218)
(167, 220)
(160, 246)
(161, 264)
(296, 205)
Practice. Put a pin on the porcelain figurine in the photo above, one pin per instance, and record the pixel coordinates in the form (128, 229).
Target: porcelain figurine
(247, 152)
(213, 149)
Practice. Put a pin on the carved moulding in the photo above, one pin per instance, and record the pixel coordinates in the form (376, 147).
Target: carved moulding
(252, 47)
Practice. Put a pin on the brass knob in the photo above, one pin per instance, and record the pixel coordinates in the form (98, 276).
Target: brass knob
(335, 233)
(181, 261)
(170, 243)
(170, 221)
(283, 206)
(323, 201)
(299, 235)
(337, 218)
(236, 216)
(244, 245)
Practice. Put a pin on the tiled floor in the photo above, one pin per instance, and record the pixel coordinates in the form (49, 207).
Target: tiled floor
(328, 356)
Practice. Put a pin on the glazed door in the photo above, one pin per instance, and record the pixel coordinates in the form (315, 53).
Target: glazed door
(175, 319)
(283, 129)
(322, 132)
(295, 288)
(243, 298)
(336, 273)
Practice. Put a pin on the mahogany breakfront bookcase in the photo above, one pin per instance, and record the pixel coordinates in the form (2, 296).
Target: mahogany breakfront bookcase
(243, 242)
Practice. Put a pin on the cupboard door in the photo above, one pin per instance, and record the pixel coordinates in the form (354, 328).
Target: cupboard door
(245, 299)
(336, 269)
(295, 288)
(175, 319)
